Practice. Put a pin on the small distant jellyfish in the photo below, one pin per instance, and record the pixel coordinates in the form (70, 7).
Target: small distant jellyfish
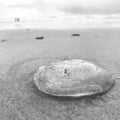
(75, 78)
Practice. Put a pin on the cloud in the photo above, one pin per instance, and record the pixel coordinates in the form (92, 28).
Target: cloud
(91, 7)
(57, 8)
(27, 4)
(42, 7)
(22, 8)
(83, 10)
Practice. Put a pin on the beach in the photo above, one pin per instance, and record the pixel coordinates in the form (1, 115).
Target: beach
(21, 55)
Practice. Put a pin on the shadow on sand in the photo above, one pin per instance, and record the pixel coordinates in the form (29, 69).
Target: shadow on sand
(69, 98)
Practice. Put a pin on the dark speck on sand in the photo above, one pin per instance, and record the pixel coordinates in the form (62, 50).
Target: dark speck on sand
(3, 40)
(39, 38)
(75, 34)
(21, 56)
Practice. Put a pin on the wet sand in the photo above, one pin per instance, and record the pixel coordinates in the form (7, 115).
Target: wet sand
(21, 55)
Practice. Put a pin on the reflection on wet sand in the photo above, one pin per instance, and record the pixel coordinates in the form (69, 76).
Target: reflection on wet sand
(21, 56)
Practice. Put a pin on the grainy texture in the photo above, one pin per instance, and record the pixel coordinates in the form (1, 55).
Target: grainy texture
(20, 57)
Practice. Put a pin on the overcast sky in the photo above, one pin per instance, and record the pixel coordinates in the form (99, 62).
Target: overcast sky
(92, 6)
(58, 8)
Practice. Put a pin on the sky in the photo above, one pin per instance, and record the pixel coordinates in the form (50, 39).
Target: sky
(60, 9)
(92, 6)
(45, 8)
